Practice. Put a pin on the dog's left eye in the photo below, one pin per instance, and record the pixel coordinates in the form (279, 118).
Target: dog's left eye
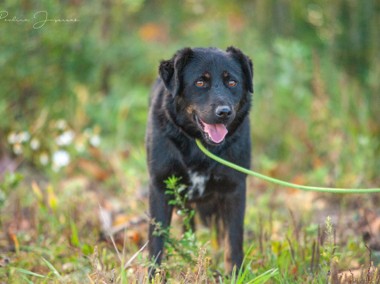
(232, 83)
(200, 83)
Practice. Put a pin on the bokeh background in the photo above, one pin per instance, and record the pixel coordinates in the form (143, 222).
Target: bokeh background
(74, 98)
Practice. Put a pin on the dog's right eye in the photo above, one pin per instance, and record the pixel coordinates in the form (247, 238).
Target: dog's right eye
(200, 83)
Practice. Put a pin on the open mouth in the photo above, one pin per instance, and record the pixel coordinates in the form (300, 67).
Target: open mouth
(213, 132)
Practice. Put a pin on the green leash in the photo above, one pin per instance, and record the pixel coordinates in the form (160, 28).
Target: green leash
(280, 182)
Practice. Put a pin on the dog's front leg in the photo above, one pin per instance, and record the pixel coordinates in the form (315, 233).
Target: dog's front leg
(233, 210)
(160, 214)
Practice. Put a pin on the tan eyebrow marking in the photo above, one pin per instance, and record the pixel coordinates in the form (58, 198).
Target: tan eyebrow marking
(207, 75)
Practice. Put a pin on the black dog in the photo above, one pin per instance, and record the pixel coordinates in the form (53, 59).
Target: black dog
(202, 93)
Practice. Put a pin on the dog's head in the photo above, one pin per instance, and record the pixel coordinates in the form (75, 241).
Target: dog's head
(211, 90)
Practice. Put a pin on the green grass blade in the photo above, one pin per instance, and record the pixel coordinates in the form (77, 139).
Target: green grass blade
(264, 277)
(243, 273)
(244, 269)
(74, 238)
(30, 273)
(52, 268)
(26, 279)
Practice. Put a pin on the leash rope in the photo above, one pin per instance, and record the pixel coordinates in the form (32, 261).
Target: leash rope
(280, 182)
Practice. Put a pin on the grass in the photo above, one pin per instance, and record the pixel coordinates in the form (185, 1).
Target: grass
(56, 240)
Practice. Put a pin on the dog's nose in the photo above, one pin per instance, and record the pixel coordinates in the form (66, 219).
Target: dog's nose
(223, 111)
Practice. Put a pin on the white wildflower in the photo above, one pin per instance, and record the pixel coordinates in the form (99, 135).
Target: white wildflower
(21, 137)
(35, 144)
(17, 149)
(60, 159)
(12, 138)
(24, 136)
(95, 140)
(61, 124)
(44, 159)
(65, 138)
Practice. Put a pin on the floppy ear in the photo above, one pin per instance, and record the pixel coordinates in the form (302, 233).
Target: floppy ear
(171, 70)
(246, 65)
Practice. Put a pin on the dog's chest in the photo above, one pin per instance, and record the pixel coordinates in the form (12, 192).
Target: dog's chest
(197, 185)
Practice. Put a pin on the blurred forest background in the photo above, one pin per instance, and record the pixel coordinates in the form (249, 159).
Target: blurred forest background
(74, 99)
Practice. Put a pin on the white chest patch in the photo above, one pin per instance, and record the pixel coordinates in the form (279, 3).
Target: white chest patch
(198, 184)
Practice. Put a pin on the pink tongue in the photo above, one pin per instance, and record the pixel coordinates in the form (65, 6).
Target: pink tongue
(217, 132)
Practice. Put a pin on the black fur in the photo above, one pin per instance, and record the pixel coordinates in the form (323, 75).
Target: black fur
(178, 107)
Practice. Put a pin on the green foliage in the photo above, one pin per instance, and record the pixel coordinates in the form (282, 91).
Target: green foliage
(187, 245)
(179, 201)
(315, 118)
(100, 69)
(185, 249)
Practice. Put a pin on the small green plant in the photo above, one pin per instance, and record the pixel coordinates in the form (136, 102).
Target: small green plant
(179, 200)
(329, 256)
(186, 247)
(52, 275)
